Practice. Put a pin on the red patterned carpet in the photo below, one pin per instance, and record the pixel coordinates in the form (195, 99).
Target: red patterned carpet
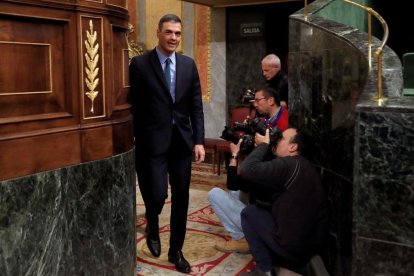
(203, 229)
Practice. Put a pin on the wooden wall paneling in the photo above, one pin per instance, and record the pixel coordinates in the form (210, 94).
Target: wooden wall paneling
(123, 135)
(110, 68)
(63, 83)
(38, 121)
(34, 76)
(96, 141)
(119, 66)
(119, 109)
(32, 154)
(117, 3)
(90, 3)
(19, 59)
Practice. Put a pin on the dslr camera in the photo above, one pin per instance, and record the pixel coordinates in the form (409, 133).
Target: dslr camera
(247, 96)
(246, 132)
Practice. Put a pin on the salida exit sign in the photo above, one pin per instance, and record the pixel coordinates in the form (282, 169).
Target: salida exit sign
(251, 29)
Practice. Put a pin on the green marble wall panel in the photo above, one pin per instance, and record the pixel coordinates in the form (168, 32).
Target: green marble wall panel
(78, 220)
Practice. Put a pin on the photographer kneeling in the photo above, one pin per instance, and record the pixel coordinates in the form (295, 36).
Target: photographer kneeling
(295, 227)
(229, 204)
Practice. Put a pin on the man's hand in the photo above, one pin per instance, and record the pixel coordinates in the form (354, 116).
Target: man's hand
(260, 139)
(235, 149)
(199, 154)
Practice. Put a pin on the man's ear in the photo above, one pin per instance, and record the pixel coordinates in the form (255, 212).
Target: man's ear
(293, 147)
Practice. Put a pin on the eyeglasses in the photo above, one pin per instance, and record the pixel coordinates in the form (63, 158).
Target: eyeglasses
(258, 100)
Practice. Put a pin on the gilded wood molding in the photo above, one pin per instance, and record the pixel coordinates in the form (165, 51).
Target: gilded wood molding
(134, 48)
(91, 68)
(202, 48)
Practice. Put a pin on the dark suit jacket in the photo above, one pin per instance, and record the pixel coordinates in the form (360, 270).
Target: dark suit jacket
(281, 84)
(153, 108)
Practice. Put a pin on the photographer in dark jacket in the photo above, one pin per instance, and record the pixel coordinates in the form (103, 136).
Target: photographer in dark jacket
(228, 204)
(296, 226)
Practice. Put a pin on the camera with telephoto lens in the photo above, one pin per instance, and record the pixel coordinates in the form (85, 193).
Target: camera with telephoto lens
(246, 132)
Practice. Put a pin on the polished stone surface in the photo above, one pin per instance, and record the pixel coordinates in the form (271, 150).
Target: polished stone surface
(78, 220)
(386, 159)
(383, 190)
(365, 147)
(215, 109)
(326, 78)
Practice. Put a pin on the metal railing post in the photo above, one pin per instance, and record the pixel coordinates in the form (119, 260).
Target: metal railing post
(378, 52)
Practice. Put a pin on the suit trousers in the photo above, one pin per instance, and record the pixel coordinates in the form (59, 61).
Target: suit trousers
(154, 175)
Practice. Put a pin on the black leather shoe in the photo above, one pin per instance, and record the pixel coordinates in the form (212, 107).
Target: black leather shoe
(177, 258)
(154, 245)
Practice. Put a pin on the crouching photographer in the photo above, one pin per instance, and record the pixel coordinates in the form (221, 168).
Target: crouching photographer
(228, 204)
(296, 226)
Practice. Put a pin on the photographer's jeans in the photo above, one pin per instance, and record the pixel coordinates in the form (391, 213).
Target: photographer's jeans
(228, 205)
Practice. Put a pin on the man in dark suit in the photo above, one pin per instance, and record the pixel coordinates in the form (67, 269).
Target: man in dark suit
(168, 115)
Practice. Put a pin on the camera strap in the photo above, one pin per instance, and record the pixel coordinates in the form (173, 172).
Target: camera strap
(271, 123)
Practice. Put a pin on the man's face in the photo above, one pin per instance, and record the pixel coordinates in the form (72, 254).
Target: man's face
(284, 147)
(169, 37)
(269, 70)
(261, 103)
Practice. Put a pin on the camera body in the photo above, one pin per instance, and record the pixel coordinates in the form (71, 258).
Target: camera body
(246, 132)
(247, 96)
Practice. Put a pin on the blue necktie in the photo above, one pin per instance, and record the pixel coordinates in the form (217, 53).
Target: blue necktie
(167, 72)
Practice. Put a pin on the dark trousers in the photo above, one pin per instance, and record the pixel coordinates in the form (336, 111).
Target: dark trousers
(257, 224)
(154, 173)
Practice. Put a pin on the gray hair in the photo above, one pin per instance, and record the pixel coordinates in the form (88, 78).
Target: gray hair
(271, 59)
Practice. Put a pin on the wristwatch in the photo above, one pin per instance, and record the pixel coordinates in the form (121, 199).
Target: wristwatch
(233, 157)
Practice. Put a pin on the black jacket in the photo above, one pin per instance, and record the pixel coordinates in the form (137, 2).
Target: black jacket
(280, 83)
(256, 193)
(300, 212)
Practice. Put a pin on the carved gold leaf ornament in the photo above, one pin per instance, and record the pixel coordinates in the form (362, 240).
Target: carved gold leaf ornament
(92, 59)
(134, 48)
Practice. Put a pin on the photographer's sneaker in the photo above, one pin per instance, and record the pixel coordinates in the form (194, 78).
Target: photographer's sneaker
(233, 246)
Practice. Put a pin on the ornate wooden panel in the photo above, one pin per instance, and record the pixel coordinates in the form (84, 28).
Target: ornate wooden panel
(63, 83)
(117, 3)
(32, 74)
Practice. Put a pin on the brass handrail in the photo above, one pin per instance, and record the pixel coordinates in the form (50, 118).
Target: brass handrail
(305, 10)
(378, 52)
